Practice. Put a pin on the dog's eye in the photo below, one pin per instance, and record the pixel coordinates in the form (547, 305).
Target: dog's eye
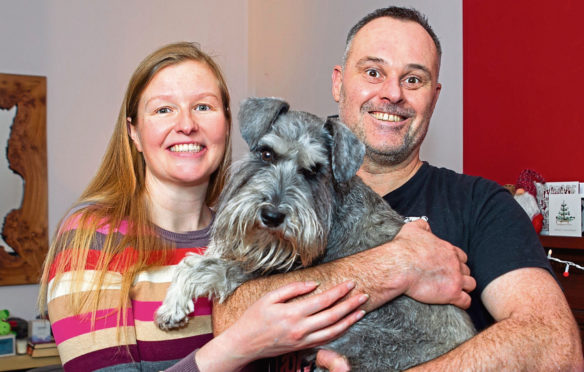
(267, 155)
(308, 173)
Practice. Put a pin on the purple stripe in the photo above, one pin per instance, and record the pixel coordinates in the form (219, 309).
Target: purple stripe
(172, 349)
(103, 358)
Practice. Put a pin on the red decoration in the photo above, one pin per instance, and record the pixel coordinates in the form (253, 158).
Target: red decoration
(537, 222)
(566, 274)
(526, 179)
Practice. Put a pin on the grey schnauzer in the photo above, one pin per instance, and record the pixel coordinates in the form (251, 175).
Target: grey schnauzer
(295, 201)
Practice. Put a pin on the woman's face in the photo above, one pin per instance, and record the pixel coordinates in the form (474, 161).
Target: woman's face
(181, 126)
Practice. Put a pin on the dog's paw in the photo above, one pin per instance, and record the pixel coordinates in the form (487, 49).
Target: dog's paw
(173, 316)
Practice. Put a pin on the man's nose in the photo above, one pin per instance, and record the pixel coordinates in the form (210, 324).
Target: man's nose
(392, 90)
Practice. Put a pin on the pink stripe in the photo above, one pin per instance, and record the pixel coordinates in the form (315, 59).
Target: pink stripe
(144, 310)
(74, 326)
(73, 223)
(105, 228)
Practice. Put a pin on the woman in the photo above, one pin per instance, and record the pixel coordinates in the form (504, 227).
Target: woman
(112, 259)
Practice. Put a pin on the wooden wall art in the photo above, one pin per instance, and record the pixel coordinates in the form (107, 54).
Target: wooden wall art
(25, 229)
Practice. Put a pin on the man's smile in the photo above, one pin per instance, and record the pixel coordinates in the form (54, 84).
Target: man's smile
(384, 116)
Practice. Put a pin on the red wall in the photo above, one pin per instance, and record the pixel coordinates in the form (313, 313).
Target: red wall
(523, 89)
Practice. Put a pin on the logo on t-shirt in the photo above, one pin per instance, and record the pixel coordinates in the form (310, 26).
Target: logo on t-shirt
(412, 219)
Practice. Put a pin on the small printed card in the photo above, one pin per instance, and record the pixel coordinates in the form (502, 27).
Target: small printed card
(544, 190)
(565, 215)
(582, 196)
(39, 330)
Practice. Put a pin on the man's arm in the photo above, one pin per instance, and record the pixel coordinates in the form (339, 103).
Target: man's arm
(534, 330)
(415, 263)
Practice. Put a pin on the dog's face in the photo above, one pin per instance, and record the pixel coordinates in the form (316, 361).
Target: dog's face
(277, 207)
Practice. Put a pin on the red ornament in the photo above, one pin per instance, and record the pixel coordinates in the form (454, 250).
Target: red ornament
(537, 222)
(566, 274)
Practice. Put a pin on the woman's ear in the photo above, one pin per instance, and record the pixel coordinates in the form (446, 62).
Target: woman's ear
(132, 133)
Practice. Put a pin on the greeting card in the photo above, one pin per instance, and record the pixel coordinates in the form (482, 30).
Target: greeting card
(544, 190)
(565, 215)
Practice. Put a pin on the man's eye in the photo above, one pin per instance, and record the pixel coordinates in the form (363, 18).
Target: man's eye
(412, 82)
(373, 73)
(202, 107)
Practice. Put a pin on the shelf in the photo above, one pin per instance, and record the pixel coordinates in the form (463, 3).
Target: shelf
(10, 363)
(565, 242)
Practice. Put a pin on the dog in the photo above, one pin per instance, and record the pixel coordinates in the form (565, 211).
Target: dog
(295, 201)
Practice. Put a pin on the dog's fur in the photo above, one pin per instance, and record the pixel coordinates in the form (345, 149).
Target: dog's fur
(295, 201)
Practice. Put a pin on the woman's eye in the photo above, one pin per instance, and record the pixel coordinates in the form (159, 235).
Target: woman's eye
(202, 107)
(163, 110)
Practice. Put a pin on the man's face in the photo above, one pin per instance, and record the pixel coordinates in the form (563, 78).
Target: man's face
(388, 88)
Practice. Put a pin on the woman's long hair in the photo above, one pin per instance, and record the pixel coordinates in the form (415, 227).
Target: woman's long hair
(116, 196)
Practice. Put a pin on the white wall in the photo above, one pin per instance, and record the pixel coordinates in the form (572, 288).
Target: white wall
(88, 49)
(293, 46)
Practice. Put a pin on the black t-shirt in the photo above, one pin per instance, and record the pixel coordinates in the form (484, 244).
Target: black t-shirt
(478, 216)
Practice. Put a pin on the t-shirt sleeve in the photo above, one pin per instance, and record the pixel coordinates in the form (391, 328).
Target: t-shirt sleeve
(188, 364)
(503, 238)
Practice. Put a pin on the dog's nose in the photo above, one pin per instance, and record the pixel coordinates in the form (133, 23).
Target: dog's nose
(272, 218)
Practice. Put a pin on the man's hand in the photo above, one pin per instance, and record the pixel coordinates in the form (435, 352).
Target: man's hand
(332, 361)
(433, 270)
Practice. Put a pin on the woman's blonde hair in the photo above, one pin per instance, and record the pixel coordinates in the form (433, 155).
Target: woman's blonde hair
(116, 195)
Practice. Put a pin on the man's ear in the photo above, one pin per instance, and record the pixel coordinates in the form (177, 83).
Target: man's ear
(436, 95)
(132, 133)
(337, 78)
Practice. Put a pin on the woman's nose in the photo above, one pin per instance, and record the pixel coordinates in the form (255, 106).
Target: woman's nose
(187, 122)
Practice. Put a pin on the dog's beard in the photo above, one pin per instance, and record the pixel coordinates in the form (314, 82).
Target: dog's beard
(239, 235)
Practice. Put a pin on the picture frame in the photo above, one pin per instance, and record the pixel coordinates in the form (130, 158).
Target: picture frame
(25, 229)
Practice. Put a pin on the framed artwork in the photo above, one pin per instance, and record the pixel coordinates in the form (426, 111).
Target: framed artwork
(23, 228)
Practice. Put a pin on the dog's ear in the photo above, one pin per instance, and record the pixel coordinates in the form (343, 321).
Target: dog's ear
(256, 116)
(347, 151)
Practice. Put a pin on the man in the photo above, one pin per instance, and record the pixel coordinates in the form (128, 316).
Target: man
(387, 89)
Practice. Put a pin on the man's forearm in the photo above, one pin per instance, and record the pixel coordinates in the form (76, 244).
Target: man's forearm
(513, 345)
(327, 275)
(535, 329)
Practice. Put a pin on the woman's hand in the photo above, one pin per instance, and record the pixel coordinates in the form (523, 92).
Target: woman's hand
(273, 326)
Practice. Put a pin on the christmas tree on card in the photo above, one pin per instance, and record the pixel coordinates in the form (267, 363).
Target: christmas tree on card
(565, 217)
(544, 191)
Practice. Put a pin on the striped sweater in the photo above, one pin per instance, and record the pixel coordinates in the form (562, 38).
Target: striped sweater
(146, 348)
